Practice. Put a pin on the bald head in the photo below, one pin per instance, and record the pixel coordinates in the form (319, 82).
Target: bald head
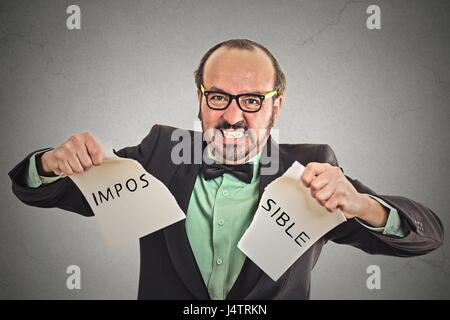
(244, 45)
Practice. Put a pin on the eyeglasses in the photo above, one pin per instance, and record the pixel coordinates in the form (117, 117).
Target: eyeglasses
(247, 102)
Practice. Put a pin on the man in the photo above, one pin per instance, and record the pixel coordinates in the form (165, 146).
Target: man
(240, 88)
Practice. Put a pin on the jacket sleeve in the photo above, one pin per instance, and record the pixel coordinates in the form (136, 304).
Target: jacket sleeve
(63, 193)
(424, 230)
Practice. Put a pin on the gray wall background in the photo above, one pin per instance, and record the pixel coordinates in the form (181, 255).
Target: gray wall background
(380, 98)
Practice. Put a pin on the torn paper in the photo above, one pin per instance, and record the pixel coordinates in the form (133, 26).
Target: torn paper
(127, 201)
(287, 222)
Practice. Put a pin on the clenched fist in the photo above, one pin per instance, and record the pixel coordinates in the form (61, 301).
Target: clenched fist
(79, 152)
(332, 190)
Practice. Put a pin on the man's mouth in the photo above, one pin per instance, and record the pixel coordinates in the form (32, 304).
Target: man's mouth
(233, 134)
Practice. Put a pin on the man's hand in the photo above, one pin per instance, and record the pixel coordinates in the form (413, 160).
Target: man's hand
(332, 190)
(79, 152)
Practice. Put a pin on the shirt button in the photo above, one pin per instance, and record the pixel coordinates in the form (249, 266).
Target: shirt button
(225, 193)
(221, 222)
(219, 261)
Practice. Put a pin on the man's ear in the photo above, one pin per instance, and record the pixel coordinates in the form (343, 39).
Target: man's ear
(276, 109)
(199, 95)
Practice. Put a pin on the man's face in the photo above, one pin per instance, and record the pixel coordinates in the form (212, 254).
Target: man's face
(233, 135)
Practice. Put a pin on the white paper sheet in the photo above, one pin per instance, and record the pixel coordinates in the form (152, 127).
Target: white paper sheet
(127, 201)
(287, 222)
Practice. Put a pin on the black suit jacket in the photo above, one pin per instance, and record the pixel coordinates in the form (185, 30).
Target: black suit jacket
(168, 266)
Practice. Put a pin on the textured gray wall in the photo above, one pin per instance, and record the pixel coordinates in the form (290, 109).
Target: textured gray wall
(380, 98)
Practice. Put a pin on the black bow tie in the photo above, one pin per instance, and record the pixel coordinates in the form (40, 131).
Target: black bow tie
(243, 172)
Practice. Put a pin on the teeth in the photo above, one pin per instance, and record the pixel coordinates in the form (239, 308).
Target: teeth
(232, 134)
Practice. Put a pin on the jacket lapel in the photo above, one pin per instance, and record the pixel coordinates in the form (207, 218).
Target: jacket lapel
(175, 235)
(270, 158)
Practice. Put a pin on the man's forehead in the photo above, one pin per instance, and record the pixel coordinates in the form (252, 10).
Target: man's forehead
(253, 65)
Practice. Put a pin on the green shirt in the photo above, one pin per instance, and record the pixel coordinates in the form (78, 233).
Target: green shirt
(219, 212)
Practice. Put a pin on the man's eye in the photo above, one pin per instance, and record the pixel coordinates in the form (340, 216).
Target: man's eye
(251, 101)
(217, 98)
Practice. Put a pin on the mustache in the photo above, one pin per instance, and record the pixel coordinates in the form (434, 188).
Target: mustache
(223, 125)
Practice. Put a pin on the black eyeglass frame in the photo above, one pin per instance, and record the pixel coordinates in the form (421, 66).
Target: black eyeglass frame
(236, 97)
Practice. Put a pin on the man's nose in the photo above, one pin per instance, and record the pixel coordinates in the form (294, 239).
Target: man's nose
(233, 114)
